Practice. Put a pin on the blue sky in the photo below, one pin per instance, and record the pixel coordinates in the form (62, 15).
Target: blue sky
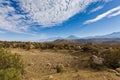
(28, 20)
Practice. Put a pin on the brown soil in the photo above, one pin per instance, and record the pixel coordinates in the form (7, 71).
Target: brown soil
(40, 65)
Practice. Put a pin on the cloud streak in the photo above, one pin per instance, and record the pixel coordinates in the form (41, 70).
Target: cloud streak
(96, 9)
(113, 12)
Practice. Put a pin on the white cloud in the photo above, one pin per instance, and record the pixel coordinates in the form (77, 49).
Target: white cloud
(45, 12)
(52, 12)
(99, 7)
(4, 24)
(96, 9)
(10, 23)
(112, 12)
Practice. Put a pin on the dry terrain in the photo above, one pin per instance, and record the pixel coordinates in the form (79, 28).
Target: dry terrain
(40, 65)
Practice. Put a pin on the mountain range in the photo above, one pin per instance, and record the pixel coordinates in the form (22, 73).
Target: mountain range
(109, 37)
(112, 35)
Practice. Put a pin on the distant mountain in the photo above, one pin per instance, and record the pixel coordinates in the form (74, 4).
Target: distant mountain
(50, 39)
(98, 39)
(71, 37)
(112, 35)
(64, 41)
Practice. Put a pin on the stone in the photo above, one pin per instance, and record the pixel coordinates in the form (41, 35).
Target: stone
(112, 71)
(76, 57)
(118, 70)
(50, 77)
(30, 64)
(97, 60)
(118, 74)
(48, 64)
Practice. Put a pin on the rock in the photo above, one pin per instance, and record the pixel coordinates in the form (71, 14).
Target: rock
(76, 57)
(112, 71)
(118, 74)
(118, 70)
(48, 64)
(30, 64)
(78, 47)
(32, 79)
(97, 60)
(50, 77)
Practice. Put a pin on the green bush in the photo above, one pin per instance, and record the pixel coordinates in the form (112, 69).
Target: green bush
(90, 48)
(11, 66)
(10, 74)
(60, 68)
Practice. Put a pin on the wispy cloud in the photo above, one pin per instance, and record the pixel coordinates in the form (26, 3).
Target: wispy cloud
(96, 9)
(46, 13)
(9, 20)
(53, 12)
(113, 12)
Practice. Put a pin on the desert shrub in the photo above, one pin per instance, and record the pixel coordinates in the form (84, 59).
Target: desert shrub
(10, 74)
(112, 58)
(60, 68)
(27, 46)
(11, 66)
(97, 67)
(89, 48)
(5, 45)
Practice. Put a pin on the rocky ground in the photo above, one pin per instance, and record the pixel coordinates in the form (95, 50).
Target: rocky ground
(41, 65)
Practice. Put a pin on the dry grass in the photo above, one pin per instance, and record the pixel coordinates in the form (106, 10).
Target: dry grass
(40, 65)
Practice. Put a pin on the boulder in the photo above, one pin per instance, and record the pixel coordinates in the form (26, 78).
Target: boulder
(118, 74)
(112, 71)
(48, 64)
(97, 60)
(118, 70)
(50, 77)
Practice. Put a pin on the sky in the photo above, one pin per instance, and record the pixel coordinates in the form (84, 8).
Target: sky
(31, 20)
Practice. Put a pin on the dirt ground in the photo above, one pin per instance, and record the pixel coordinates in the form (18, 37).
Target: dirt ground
(40, 65)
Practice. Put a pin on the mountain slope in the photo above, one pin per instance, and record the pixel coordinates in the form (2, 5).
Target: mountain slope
(112, 35)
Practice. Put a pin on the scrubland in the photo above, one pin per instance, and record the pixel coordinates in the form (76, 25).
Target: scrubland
(65, 60)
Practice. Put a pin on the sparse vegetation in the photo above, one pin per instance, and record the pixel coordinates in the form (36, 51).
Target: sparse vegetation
(112, 58)
(60, 68)
(62, 56)
(11, 66)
